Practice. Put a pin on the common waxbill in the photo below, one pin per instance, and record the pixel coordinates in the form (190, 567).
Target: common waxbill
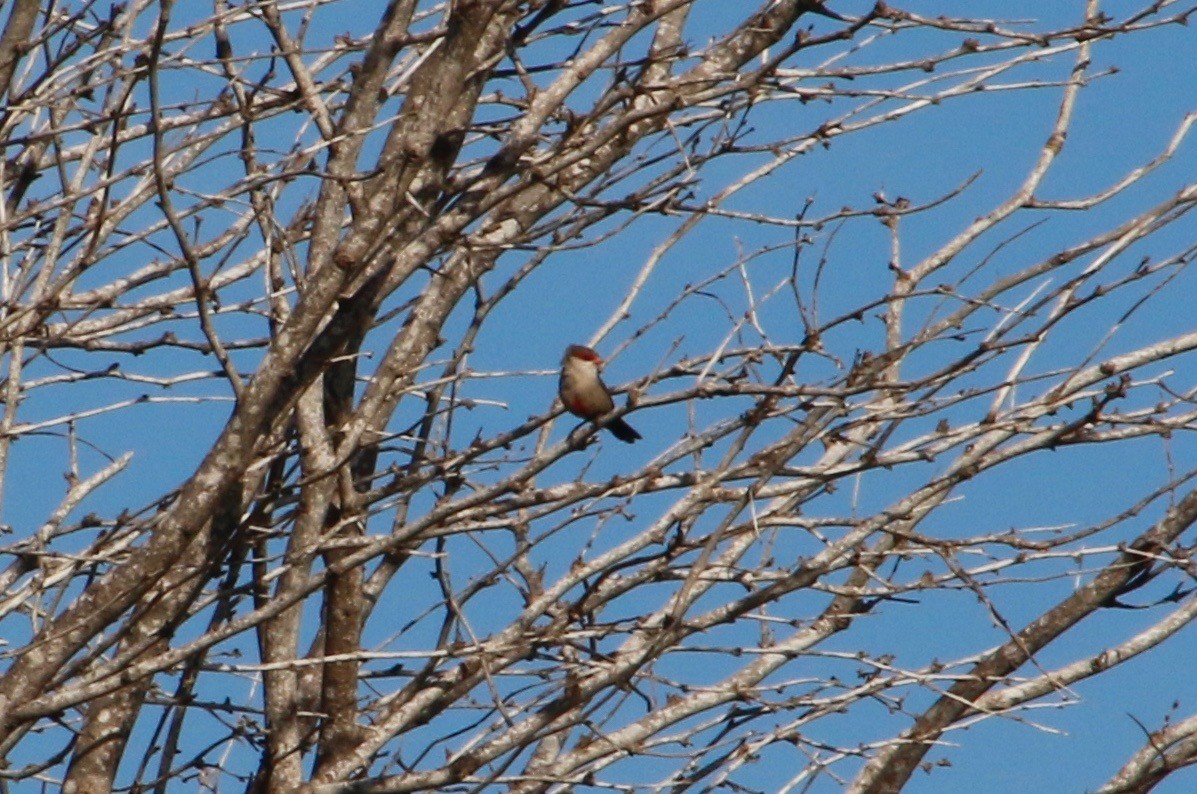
(584, 394)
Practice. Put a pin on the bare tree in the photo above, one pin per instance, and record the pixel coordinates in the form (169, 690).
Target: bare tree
(264, 244)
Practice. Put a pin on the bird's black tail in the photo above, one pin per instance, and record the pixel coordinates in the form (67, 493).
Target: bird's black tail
(622, 430)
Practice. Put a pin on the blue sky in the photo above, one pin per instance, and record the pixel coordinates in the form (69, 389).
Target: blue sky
(1122, 120)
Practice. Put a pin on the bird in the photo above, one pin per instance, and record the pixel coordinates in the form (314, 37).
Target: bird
(584, 394)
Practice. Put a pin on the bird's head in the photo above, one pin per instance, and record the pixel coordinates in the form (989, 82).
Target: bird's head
(582, 353)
